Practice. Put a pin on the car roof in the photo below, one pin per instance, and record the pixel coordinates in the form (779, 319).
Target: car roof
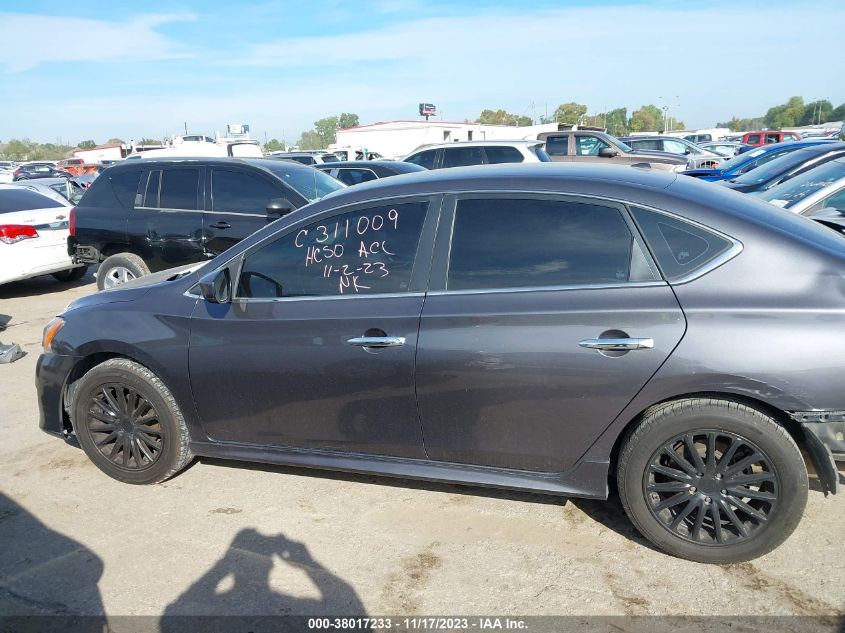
(223, 161)
(398, 165)
(526, 142)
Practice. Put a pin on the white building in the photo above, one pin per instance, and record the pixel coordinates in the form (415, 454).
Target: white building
(397, 139)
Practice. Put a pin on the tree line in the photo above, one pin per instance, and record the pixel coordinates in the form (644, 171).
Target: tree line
(793, 113)
(26, 149)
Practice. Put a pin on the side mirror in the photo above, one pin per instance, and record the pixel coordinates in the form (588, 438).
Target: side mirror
(216, 287)
(279, 207)
(607, 152)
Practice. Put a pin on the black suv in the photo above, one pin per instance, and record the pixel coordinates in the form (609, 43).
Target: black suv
(149, 215)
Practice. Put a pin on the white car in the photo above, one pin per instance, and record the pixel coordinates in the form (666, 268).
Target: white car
(819, 188)
(7, 170)
(465, 153)
(61, 190)
(33, 237)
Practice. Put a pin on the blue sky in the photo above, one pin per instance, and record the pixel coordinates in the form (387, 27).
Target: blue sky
(102, 69)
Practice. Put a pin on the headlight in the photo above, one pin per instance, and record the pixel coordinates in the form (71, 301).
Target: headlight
(50, 332)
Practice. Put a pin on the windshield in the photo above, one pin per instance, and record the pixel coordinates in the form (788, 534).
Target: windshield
(311, 184)
(741, 159)
(773, 169)
(619, 144)
(788, 193)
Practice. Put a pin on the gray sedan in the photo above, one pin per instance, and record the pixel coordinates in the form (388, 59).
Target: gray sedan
(550, 328)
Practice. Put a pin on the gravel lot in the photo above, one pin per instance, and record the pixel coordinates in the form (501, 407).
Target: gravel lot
(229, 538)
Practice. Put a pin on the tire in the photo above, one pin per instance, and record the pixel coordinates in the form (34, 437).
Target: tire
(147, 440)
(757, 479)
(71, 274)
(120, 268)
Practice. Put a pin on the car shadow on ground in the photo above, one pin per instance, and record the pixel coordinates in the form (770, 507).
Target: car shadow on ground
(608, 513)
(43, 285)
(239, 584)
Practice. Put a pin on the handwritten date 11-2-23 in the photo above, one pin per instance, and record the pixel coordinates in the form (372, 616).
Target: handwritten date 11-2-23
(330, 241)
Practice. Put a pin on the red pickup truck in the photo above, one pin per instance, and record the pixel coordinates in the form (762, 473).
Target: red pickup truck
(769, 136)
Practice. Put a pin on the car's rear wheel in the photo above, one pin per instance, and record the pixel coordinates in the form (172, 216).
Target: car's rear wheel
(128, 423)
(71, 274)
(120, 268)
(713, 481)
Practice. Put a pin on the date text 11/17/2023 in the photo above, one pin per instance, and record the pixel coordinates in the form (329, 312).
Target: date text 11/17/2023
(351, 266)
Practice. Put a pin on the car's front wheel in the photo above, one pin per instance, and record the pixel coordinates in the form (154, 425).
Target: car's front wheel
(714, 481)
(120, 268)
(128, 423)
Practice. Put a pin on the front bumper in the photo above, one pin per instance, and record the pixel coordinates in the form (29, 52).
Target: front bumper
(51, 374)
(824, 432)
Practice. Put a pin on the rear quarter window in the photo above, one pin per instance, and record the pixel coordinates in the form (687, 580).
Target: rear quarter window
(680, 248)
(113, 189)
(12, 200)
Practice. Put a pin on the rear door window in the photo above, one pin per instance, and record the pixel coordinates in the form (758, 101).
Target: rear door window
(680, 248)
(646, 144)
(503, 154)
(241, 192)
(179, 188)
(463, 156)
(772, 138)
(540, 242)
(557, 145)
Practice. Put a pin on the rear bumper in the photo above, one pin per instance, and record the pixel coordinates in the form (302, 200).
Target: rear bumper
(82, 254)
(51, 374)
(824, 432)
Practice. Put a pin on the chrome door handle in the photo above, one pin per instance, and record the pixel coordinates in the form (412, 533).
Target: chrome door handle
(377, 341)
(617, 344)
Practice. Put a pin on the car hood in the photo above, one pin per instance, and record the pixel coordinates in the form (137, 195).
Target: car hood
(135, 289)
(661, 157)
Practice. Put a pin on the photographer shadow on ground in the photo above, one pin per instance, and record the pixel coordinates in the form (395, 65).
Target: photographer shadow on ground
(240, 584)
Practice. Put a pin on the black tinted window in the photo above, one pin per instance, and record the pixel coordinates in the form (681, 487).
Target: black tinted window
(503, 154)
(462, 156)
(355, 176)
(678, 247)
(530, 242)
(368, 251)
(557, 145)
(12, 200)
(424, 159)
(179, 189)
(240, 192)
(305, 160)
(114, 189)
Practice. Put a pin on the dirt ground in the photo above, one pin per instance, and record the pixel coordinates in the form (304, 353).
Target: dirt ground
(229, 538)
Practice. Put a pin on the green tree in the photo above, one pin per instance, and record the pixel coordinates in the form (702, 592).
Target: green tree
(648, 118)
(347, 120)
(86, 144)
(326, 129)
(817, 112)
(17, 150)
(274, 145)
(838, 114)
(310, 140)
(502, 117)
(788, 114)
(149, 141)
(570, 113)
(616, 121)
(115, 141)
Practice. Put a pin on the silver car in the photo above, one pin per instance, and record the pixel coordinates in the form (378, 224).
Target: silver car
(61, 190)
(697, 158)
(807, 193)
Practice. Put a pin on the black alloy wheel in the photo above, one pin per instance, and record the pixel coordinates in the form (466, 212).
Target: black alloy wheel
(125, 427)
(711, 487)
(128, 422)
